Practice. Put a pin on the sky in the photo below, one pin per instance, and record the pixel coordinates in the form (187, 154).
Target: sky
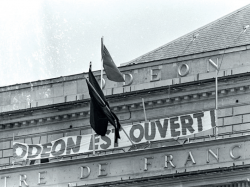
(43, 39)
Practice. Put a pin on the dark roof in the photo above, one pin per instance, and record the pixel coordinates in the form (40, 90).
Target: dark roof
(225, 32)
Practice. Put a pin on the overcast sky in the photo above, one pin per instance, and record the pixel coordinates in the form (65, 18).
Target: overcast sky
(47, 39)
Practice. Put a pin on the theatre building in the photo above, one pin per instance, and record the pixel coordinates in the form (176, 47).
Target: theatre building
(178, 138)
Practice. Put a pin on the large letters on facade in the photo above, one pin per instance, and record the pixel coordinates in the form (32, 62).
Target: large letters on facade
(154, 130)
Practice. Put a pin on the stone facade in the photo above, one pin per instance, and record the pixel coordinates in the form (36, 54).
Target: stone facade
(43, 111)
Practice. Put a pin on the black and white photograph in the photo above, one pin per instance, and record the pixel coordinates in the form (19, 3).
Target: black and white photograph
(112, 93)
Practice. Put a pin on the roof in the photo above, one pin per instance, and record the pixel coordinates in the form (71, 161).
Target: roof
(229, 31)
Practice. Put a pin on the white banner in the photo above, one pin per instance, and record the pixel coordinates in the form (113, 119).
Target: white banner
(154, 130)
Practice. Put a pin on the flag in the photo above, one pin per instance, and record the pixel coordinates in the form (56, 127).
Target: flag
(100, 112)
(109, 66)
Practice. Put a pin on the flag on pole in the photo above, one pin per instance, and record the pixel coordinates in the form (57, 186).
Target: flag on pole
(109, 66)
(100, 112)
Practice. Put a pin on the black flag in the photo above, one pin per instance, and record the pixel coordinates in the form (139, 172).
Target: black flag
(100, 112)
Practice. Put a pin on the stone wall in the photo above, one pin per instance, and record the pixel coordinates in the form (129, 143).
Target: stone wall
(73, 88)
(43, 111)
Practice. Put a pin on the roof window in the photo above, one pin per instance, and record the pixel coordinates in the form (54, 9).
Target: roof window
(245, 28)
(195, 36)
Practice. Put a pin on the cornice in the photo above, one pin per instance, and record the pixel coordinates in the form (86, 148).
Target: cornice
(128, 102)
(205, 178)
(129, 154)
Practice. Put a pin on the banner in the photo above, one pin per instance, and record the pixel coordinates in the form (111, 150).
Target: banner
(154, 130)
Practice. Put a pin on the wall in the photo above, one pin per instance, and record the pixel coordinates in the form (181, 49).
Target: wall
(32, 124)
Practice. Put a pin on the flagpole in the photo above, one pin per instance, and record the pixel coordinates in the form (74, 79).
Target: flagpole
(12, 144)
(107, 108)
(144, 110)
(216, 97)
(216, 66)
(101, 62)
(127, 136)
(93, 132)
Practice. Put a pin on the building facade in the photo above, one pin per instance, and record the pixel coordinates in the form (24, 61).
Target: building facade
(177, 79)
